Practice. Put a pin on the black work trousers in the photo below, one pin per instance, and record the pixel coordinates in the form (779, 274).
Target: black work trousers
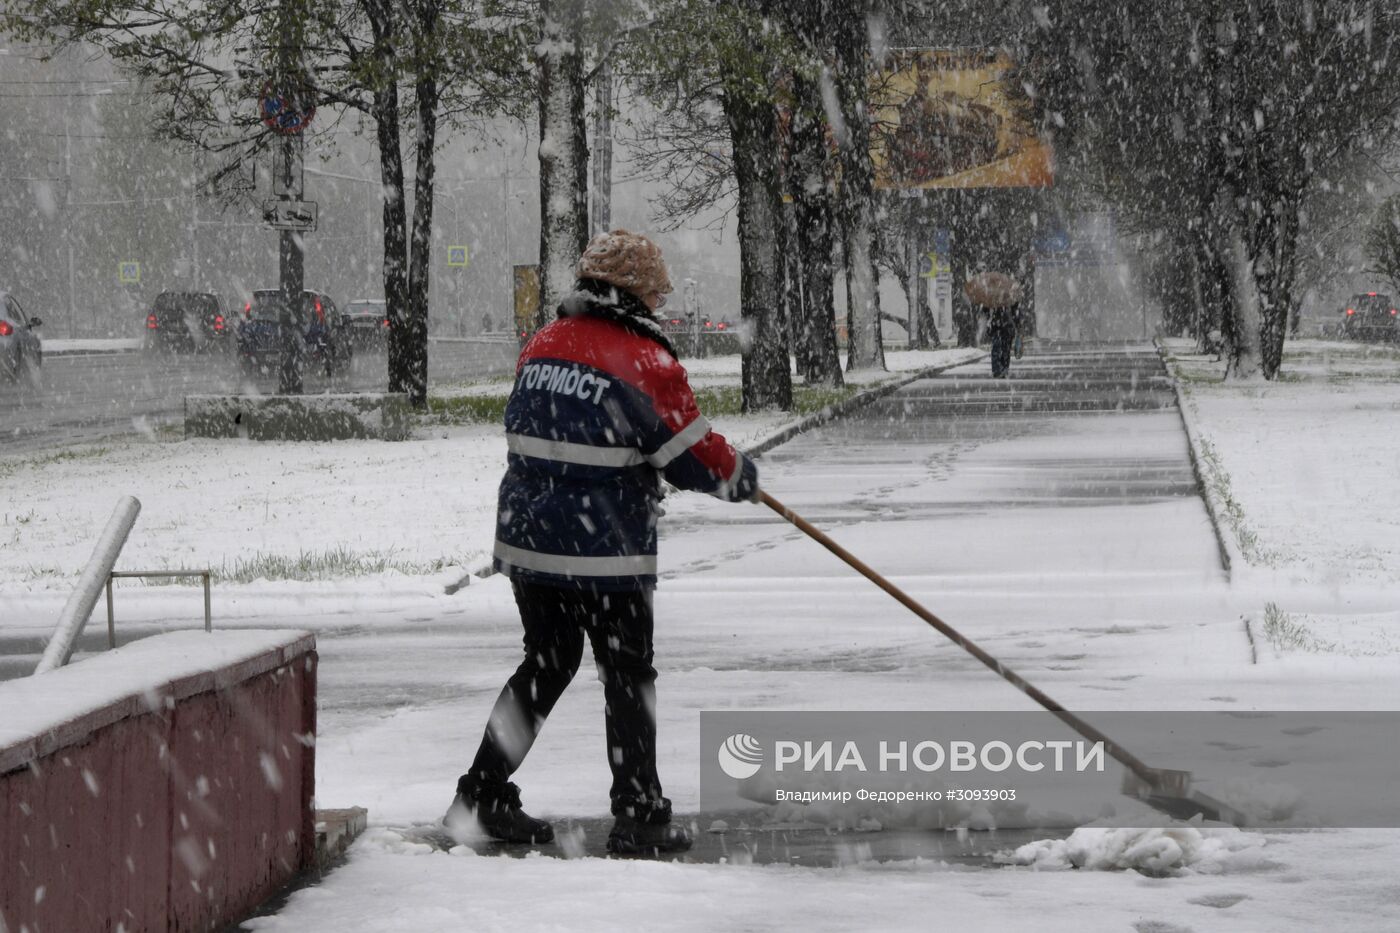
(619, 625)
(1002, 338)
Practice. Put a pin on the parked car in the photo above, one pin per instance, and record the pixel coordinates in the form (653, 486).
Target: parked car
(710, 336)
(368, 319)
(21, 353)
(676, 326)
(325, 336)
(187, 322)
(1370, 316)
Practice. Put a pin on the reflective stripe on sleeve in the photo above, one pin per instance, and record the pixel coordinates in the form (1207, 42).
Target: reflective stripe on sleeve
(567, 452)
(622, 565)
(689, 435)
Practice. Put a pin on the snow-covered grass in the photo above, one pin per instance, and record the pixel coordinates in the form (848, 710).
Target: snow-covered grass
(253, 511)
(240, 505)
(1309, 463)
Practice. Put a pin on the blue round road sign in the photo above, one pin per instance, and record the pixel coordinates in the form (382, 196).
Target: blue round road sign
(286, 112)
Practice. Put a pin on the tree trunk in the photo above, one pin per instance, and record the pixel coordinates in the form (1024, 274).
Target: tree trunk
(819, 359)
(1276, 282)
(766, 371)
(563, 151)
(794, 272)
(1197, 326)
(415, 337)
(1211, 289)
(964, 315)
(928, 324)
(789, 291)
(918, 240)
(386, 122)
(865, 349)
(923, 332)
(1242, 335)
(897, 261)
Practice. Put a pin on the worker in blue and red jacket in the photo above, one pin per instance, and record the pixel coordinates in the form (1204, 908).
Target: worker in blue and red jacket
(600, 414)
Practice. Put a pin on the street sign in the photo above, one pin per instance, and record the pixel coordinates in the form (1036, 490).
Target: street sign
(933, 264)
(286, 110)
(289, 215)
(129, 273)
(1054, 241)
(457, 257)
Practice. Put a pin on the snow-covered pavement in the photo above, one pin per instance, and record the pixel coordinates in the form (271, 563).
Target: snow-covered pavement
(1071, 545)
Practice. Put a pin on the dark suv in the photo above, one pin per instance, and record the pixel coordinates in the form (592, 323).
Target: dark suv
(325, 335)
(187, 322)
(1370, 316)
(709, 336)
(369, 321)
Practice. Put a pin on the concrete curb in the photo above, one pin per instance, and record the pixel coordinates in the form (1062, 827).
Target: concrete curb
(115, 350)
(90, 351)
(1231, 557)
(785, 434)
(357, 416)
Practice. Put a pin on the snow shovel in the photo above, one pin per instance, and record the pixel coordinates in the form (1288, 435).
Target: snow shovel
(1160, 788)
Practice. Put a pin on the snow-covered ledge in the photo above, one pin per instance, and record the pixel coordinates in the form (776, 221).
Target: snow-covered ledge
(164, 785)
(349, 416)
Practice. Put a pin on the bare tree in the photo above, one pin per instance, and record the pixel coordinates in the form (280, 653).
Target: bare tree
(1383, 241)
(851, 124)
(747, 72)
(812, 183)
(207, 63)
(1219, 120)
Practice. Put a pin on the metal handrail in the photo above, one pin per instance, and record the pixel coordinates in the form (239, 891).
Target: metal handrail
(76, 611)
(112, 575)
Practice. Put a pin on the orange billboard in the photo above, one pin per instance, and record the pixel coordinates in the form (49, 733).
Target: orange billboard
(949, 118)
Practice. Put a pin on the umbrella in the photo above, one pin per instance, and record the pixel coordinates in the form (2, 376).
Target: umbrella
(992, 290)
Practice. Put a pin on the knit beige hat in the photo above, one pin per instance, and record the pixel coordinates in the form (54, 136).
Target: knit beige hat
(628, 260)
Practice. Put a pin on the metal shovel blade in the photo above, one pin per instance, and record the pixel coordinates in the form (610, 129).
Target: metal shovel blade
(1170, 792)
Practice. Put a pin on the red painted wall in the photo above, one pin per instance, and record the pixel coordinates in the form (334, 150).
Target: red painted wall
(185, 817)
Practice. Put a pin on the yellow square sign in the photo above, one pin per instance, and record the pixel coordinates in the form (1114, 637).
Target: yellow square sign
(457, 257)
(932, 265)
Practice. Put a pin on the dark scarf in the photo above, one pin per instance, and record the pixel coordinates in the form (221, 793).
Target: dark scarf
(602, 300)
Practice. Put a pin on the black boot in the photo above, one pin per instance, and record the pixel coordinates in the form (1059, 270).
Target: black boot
(645, 828)
(495, 811)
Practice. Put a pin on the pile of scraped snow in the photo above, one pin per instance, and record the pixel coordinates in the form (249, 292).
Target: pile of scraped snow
(1153, 851)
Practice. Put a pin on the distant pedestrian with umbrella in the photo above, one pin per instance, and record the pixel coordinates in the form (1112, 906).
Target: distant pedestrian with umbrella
(999, 296)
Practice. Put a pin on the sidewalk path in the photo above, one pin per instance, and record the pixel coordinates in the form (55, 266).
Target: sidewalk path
(1071, 543)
